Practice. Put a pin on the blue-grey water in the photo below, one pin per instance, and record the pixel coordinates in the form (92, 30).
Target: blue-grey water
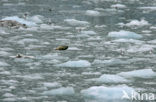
(111, 49)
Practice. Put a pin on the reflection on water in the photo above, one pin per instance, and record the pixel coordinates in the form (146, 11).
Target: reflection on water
(111, 48)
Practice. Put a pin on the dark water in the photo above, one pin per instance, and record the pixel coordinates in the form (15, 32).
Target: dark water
(26, 80)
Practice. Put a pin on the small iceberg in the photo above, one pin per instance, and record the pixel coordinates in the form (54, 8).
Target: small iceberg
(80, 63)
(21, 20)
(60, 91)
(124, 34)
(136, 23)
(101, 93)
(92, 13)
(143, 73)
(118, 6)
(108, 78)
(89, 32)
(74, 22)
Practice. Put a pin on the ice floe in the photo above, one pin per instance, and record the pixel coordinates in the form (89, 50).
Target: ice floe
(136, 23)
(52, 85)
(113, 61)
(92, 13)
(79, 63)
(21, 20)
(74, 22)
(60, 91)
(118, 6)
(2, 63)
(101, 93)
(108, 78)
(142, 73)
(124, 34)
(89, 32)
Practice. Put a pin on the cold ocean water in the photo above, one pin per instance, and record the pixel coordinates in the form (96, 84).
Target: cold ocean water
(111, 55)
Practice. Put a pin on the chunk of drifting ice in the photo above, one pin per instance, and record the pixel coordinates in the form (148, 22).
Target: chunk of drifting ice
(51, 85)
(137, 23)
(112, 61)
(36, 19)
(74, 22)
(80, 63)
(92, 13)
(60, 91)
(118, 6)
(124, 34)
(143, 73)
(108, 78)
(88, 32)
(3, 63)
(21, 20)
(100, 93)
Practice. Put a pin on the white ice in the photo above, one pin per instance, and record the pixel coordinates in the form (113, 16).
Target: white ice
(101, 93)
(60, 91)
(21, 20)
(124, 34)
(118, 6)
(142, 73)
(52, 84)
(74, 22)
(79, 63)
(2, 63)
(89, 32)
(92, 13)
(110, 78)
(136, 23)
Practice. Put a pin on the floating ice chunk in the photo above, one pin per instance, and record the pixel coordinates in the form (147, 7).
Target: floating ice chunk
(129, 41)
(74, 22)
(8, 95)
(108, 78)
(60, 91)
(51, 85)
(3, 63)
(143, 48)
(9, 99)
(80, 63)
(148, 8)
(36, 19)
(73, 48)
(118, 6)
(112, 61)
(100, 93)
(21, 20)
(143, 73)
(137, 23)
(92, 13)
(88, 32)
(27, 40)
(124, 34)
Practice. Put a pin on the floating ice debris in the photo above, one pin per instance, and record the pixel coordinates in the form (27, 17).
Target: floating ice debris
(112, 61)
(148, 8)
(74, 48)
(88, 32)
(51, 85)
(108, 78)
(142, 48)
(21, 20)
(100, 93)
(74, 22)
(129, 41)
(2, 63)
(124, 34)
(92, 13)
(27, 40)
(36, 19)
(60, 91)
(118, 6)
(80, 63)
(142, 73)
(136, 23)
(8, 95)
